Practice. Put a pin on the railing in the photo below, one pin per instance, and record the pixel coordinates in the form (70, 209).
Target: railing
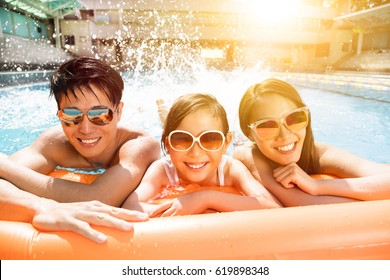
(9, 79)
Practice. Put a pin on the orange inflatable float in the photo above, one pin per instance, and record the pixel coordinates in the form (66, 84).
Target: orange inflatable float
(358, 230)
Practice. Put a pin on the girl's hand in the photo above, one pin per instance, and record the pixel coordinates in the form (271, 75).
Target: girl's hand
(191, 203)
(292, 175)
(154, 210)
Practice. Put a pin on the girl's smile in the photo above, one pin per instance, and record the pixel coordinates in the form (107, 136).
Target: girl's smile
(196, 164)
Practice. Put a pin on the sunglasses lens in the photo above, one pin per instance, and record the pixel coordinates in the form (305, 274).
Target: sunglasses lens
(209, 141)
(97, 115)
(212, 141)
(100, 116)
(267, 129)
(297, 120)
(180, 141)
(70, 116)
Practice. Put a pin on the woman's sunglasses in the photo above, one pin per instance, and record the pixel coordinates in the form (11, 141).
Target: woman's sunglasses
(210, 140)
(99, 115)
(269, 128)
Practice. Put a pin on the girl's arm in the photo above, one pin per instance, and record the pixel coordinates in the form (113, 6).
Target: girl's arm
(236, 175)
(227, 202)
(201, 201)
(263, 172)
(241, 178)
(151, 183)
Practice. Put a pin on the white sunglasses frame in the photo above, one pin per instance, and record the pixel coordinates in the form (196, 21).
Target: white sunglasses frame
(196, 139)
(281, 121)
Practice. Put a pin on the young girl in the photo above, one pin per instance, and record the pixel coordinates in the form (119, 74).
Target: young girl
(195, 138)
(283, 153)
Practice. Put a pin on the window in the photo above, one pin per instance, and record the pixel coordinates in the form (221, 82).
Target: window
(322, 50)
(69, 40)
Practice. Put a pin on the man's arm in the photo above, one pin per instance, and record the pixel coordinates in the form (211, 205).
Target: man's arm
(112, 187)
(48, 215)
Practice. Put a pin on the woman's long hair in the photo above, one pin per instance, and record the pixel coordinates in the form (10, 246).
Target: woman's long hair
(309, 158)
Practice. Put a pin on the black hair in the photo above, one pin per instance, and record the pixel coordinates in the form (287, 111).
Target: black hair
(82, 72)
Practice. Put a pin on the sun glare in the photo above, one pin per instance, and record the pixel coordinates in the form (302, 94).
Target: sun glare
(276, 11)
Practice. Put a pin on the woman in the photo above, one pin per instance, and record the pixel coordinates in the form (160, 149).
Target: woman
(283, 154)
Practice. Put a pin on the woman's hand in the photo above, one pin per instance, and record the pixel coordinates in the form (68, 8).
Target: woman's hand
(78, 216)
(292, 175)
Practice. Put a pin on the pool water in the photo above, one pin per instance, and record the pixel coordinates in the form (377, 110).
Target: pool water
(348, 111)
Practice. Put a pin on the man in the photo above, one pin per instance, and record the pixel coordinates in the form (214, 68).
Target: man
(88, 93)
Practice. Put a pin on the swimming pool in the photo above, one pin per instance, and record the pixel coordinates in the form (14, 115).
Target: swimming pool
(350, 111)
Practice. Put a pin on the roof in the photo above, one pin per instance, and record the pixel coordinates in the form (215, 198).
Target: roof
(367, 19)
(373, 18)
(46, 8)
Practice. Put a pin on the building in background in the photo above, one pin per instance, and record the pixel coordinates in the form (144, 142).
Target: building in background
(290, 35)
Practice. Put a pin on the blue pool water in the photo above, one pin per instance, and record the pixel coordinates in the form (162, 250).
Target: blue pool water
(348, 111)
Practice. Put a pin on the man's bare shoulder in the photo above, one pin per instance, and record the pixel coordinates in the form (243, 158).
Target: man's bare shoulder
(137, 139)
(131, 132)
(128, 135)
(52, 140)
(135, 146)
(50, 149)
(54, 133)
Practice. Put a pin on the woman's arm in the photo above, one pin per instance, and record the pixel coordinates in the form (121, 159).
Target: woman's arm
(362, 179)
(263, 172)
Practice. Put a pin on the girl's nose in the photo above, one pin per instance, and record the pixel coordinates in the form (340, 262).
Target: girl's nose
(196, 149)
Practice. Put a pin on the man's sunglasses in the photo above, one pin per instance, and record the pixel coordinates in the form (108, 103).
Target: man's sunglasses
(99, 115)
(210, 140)
(269, 128)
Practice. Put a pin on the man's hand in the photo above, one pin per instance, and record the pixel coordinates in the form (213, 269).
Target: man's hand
(77, 217)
